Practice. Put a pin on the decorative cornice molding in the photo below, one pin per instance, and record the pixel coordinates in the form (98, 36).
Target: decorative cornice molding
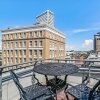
(33, 28)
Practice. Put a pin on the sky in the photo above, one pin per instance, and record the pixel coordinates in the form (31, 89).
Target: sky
(79, 20)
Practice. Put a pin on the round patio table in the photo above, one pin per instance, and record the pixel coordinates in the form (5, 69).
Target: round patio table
(56, 69)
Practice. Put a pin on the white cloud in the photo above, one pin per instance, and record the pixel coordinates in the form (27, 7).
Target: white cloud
(79, 30)
(72, 47)
(88, 44)
(85, 46)
(85, 29)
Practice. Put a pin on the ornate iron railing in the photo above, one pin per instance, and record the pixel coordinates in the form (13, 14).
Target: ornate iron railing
(87, 67)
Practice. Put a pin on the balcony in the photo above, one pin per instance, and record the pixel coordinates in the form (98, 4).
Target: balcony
(25, 70)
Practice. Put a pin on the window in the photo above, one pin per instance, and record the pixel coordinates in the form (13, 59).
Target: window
(8, 36)
(16, 35)
(24, 35)
(4, 45)
(8, 52)
(24, 43)
(53, 45)
(40, 44)
(40, 34)
(35, 52)
(8, 60)
(53, 53)
(30, 52)
(11, 44)
(53, 36)
(30, 34)
(20, 35)
(30, 43)
(11, 52)
(16, 60)
(20, 51)
(20, 60)
(21, 44)
(11, 60)
(30, 59)
(24, 52)
(35, 43)
(24, 59)
(50, 45)
(4, 37)
(40, 53)
(11, 36)
(16, 52)
(8, 44)
(16, 44)
(50, 53)
(50, 36)
(35, 59)
(35, 34)
(4, 52)
(98, 38)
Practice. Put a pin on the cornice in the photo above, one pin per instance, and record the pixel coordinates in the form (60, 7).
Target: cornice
(35, 27)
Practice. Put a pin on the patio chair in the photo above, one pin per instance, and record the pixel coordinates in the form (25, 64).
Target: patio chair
(33, 92)
(83, 92)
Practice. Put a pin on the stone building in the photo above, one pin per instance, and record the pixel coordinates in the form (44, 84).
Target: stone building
(39, 41)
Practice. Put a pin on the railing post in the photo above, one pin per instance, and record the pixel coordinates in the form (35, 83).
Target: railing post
(82, 77)
(1, 83)
(90, 65)
(58, 60)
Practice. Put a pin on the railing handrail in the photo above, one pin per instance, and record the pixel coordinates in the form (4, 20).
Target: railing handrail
(85, 60)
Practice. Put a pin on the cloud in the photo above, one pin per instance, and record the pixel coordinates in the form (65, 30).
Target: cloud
(88, 44)
(85, 30)
(71, 47)
(85, 46)
(79, 30)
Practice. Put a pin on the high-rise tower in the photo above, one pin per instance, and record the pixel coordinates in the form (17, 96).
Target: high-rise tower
(46, 18)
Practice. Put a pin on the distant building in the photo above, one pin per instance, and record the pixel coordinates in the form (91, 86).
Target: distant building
(0, 57)
(46, 18)
(39, 41)
(94, 56)
(76, 57)
(97, 42)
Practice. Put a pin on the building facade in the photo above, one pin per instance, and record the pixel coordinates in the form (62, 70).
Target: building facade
(97, 42)
(0, 57)
(46, 17)
(24, 44)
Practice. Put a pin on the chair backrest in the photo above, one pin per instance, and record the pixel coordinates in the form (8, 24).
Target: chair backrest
(19, 86)
(93, 90)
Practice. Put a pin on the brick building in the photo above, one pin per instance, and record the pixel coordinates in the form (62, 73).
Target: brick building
(39, 41)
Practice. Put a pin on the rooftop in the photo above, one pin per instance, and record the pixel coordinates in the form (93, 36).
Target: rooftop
(36, 25)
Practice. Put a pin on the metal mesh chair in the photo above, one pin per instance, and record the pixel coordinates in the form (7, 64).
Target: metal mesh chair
(33, 92)
(83, 92)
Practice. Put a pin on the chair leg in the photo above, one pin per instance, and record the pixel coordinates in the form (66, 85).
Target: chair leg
(75, 99)
(51, 98)
(67, 97)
